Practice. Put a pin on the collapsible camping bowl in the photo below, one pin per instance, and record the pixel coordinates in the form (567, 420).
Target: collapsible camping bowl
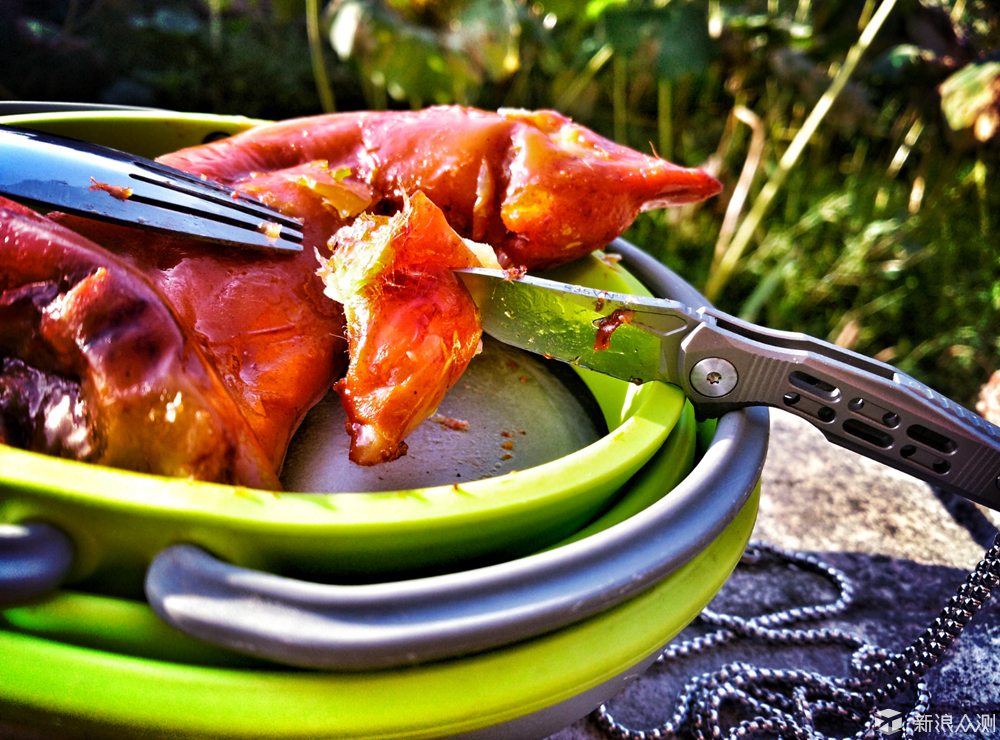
(470, 601)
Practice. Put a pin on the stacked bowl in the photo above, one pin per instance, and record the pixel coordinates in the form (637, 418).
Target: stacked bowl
(466, 593)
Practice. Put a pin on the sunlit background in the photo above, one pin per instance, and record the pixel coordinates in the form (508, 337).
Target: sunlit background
(858, 141)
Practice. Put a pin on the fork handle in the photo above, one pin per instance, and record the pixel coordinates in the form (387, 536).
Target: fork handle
(858, 403)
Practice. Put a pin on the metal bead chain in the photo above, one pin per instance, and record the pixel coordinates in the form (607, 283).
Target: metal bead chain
(787, 703)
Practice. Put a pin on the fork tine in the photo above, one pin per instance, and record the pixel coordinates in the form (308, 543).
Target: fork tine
(225, 208)
(202, 187)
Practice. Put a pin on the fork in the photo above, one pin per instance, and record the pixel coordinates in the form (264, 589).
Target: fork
(52, 172)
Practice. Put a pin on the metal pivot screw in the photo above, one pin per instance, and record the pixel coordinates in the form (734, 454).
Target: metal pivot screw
(714, 377)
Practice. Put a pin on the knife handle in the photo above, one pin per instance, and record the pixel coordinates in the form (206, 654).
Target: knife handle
(858, 403)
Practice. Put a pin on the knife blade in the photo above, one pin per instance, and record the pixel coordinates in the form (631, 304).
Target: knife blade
(723, 364)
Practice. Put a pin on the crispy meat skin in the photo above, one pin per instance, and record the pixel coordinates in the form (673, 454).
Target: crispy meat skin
(97, 367)
(275, 340)
(538, 188)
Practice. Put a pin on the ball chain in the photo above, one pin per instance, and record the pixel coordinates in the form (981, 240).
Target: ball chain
(787, 703)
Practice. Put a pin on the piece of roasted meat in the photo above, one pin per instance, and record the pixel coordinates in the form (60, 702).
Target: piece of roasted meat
(408, 190)
(412, 326)
(275, 341)
(95, 366)
(538, 188)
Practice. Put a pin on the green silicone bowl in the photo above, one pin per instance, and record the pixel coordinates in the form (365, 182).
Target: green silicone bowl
(526, 690)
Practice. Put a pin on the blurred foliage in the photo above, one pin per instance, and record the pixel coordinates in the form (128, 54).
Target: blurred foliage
(884, 235)
(221, 56)
(426, 52)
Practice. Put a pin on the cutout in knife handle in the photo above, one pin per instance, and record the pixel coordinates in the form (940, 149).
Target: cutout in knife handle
(814, 386)
(809, 407)
(925, 459)
(932, 439)
(868, 433)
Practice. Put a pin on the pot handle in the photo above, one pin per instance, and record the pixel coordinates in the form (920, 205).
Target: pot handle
(34, 559)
